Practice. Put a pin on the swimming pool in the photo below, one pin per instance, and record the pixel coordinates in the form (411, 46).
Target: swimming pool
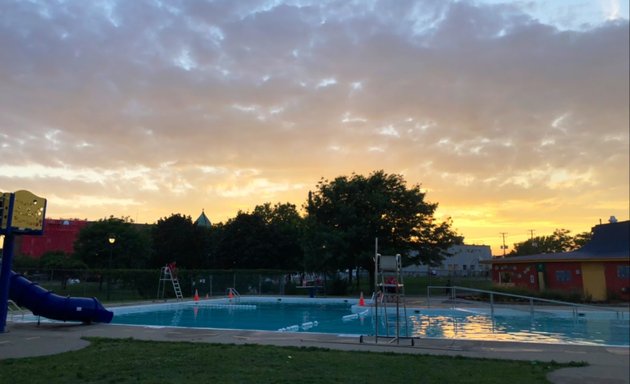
(343, 317)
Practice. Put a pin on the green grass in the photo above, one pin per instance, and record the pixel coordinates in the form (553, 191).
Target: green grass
(133, 361)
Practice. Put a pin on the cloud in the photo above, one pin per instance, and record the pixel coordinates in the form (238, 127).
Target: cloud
(162, 103)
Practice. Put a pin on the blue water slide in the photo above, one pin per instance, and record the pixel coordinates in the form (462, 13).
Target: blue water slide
(45, 303)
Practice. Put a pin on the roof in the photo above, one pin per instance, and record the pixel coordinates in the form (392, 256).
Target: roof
(610, 242)
(203, 221)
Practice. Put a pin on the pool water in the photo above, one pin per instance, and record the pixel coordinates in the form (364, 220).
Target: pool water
(337, 317)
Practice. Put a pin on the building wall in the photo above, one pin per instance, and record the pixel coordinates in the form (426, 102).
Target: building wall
(59, 235)
(618, 279)
(558, 276)
(516, 275)
(463, 262)
(565, 276)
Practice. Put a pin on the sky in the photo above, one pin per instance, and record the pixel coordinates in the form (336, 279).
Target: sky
(511, 115)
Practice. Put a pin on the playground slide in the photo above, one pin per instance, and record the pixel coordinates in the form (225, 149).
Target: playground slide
(52, 306)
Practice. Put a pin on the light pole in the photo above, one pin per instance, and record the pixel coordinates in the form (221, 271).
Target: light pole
(112, 239)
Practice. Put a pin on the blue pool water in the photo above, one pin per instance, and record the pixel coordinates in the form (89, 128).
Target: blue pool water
(339, 317)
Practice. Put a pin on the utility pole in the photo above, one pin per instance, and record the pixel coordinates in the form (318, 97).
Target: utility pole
(531, 237)
(504, 247)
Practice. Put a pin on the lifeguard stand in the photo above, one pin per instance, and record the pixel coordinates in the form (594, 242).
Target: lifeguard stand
(390, 296)
(166, 275)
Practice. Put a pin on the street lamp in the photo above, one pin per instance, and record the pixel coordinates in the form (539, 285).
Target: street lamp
(112, 239)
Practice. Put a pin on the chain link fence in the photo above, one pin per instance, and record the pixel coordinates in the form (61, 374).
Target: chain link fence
(143, 285)
(125, 285)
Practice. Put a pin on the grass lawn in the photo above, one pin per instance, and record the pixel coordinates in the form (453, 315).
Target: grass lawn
(133, 361)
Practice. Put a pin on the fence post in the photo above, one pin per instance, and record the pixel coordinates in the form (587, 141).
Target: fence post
(492, 305)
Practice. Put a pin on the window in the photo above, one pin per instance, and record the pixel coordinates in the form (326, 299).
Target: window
(563, 276)
(623, 271)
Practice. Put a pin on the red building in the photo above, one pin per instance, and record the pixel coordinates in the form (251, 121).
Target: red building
(59, 235)
(600, 270)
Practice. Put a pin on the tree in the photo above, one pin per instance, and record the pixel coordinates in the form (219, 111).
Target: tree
(132, 248)
(176, 238)
(285, 231)
(244, 243)
(344, 216)
(559, 241)
(268, 237)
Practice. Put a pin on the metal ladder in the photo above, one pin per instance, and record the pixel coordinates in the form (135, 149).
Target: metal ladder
(167, 275)
(390, 290)
(13, 309)
(233, 294)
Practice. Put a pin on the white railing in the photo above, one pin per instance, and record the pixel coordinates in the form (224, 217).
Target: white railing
(232, 293)
(452, 295)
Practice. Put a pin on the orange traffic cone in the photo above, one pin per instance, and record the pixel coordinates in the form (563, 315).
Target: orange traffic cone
(230, 294)
(196, 298)
(361, 301)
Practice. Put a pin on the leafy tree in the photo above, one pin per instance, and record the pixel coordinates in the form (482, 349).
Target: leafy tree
(132, 248)
(176, 238)
(581, 239)
(245, 243)
(559, 241)
(285, 231)
(212, 246)
(268, 237)
(345, 215)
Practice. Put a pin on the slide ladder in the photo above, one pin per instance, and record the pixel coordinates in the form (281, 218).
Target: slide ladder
(166, 275)
(390, 297)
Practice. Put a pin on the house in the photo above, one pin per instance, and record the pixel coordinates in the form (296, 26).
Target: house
(600, 270)
(464, 260)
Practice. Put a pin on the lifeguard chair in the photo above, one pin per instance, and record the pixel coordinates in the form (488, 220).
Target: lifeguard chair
(166, 275)
(390, 296)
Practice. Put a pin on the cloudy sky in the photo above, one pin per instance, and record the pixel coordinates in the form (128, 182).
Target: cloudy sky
(513, 115)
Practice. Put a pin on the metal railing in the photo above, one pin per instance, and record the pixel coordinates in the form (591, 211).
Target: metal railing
(452, 293)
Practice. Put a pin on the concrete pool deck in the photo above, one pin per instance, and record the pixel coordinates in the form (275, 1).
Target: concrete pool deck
(606, 364)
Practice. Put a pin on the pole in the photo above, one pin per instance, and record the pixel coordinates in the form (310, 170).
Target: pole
(504, 247)
(109, 272)
(7, 259)
(5, 274)
(375, 294)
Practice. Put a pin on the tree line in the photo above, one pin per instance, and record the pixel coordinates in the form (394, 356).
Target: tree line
(559, 241)
(335, 229)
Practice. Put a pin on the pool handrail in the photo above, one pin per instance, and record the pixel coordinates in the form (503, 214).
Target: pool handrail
(453, 295)
(233, 293)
